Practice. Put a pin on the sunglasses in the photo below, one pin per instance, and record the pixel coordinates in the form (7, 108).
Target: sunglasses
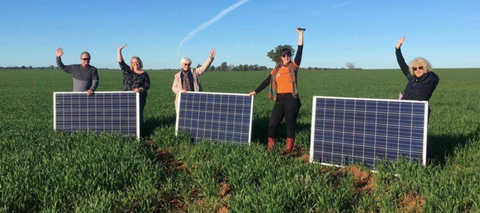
(415, 68)
(186, 64)
(285, 56)
(86, 59)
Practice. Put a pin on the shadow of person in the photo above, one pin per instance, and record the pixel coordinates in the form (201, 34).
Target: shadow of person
(153, 123)
(441, 147)
(260, 130)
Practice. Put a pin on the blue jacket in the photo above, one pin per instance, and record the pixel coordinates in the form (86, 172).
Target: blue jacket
(420, 89)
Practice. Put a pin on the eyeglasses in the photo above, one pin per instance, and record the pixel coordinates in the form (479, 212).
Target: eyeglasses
(86, 59)
(285, 56)
(415, 68)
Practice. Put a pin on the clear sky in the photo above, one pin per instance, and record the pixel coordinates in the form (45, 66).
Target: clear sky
(161, 32)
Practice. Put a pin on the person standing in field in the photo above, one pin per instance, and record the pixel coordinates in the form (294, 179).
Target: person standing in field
(84, 76)
(421, 80)
(135, 79)
(282, 82)
(188, 78)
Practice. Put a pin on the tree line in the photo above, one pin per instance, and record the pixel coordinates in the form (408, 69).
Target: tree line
(273, 54)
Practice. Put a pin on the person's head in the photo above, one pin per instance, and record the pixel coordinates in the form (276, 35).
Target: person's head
(185, 63)
(136, 63)
(419, 67)
(286, 55)
(85, 58)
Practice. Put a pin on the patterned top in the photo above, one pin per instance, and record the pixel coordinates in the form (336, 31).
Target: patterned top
(132, 80)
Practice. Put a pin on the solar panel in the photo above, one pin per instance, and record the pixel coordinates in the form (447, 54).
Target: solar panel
(224, 117)
(347, 130)
(101, 112)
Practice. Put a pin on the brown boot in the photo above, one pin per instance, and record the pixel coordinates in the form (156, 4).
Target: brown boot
(290, 142)
(271, 142)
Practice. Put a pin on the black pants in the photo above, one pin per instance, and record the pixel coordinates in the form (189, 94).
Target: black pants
(143, 101)
(286, 106)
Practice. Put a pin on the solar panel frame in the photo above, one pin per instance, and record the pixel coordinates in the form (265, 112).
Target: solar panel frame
(424, 130)
(85, 94)
(250, 116)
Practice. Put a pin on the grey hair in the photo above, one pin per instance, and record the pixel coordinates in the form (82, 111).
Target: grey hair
(419, 61)
(85, 52)
(185, 60)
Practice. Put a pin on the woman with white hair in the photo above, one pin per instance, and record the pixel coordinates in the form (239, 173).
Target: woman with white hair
(421, 80)
(188, 78)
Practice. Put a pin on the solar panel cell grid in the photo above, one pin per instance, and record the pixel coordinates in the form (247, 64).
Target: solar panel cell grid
(367, 130)
(102, 112)
(215, 116)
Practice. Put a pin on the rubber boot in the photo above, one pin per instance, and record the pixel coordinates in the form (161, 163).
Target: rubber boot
(290, 142)
(271, 142)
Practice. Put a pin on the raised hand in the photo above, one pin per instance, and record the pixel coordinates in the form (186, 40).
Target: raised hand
(121, 47)
(119, 53)
(400, 42)
(212, 53)
(59, 52)
(300, 30)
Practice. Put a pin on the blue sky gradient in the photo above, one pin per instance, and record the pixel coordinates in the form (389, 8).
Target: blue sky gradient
(363, 32)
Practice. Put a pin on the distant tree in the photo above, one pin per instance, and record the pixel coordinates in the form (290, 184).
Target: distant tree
(199, 65)
(262, 68)
(350, 65)
(224, 66)
(275, 53)
(212, 68)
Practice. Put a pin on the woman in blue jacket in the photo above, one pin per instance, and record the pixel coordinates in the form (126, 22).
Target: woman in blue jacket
(421, 80)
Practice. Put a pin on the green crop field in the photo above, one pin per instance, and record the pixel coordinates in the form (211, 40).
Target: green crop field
(46, 171)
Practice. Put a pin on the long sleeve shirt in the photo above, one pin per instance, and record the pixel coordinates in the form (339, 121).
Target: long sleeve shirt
(297, 60)
(417, 88)
(84, 78)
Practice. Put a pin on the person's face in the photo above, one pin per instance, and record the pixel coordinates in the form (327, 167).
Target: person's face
(135, 64)
(419, 70)
(85, 59)
(186, 66)
(286, 58)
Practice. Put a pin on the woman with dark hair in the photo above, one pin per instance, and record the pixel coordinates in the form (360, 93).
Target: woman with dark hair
(421, 80)
(283, 90)
(135, 79)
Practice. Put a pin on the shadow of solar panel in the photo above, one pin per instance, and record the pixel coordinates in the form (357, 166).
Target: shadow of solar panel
(223, 117)
(102, 112)
(369, 131)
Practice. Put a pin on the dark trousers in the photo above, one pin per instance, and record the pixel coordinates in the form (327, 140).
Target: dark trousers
(143, 101)
(286, 106)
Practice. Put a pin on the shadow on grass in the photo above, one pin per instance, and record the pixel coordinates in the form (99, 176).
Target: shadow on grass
(153, 123)
(441, 147)
(260, 130)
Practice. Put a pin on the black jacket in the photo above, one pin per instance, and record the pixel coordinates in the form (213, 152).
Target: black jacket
(420, 89)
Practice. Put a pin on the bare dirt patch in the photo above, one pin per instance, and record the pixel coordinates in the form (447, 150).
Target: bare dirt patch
(365, 182)
(412, 202)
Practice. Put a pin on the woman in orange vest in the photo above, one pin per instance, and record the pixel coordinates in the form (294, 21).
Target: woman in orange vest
(283, 89)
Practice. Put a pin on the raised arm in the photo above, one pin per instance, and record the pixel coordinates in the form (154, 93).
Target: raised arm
(60, 64)
(124, 66)
(400, 60)
(207, 63)
(298, 56)
(119, 53)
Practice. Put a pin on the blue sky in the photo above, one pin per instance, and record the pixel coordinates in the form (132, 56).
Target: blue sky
(363, 32)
